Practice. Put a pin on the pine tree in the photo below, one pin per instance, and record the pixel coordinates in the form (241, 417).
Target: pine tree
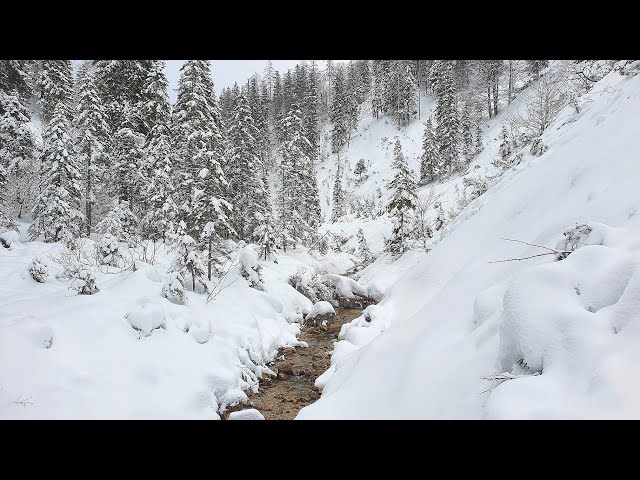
(57, 215)
(56, 87)
(403, 201)
(338, 196)
(294, 202)
(311, 102)
(429, 164)
(245, 171)
(14, 77)
(199, 144)
(360, 169)
(534, 67)
(505, 146)
(16, 140)
(467, 136)
(339, 113)
(92, 134)
(267, 236)
(158, 166)
(446, 114)
(363, 249)
(120, 87)
(479, 146)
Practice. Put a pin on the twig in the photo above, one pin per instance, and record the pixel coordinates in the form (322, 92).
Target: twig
(25, 402)
(530, 244)
(523, 258)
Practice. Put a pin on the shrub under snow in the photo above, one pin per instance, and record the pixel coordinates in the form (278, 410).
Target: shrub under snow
(173, 288)
(251, 268)
(39, 269)
(84, 280)
(108, 250)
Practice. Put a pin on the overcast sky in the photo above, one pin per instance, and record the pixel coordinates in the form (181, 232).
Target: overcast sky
(226, 72)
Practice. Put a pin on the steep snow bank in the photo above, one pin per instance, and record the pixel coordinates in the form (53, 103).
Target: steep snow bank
(454, 318)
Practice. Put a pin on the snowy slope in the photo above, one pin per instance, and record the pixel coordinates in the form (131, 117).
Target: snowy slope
(565, 329)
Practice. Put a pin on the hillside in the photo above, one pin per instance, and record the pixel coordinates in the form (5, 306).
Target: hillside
(560, 332)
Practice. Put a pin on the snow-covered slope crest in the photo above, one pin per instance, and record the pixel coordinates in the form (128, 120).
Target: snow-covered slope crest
(561, 332)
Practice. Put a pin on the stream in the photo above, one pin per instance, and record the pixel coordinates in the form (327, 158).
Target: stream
(283, 396)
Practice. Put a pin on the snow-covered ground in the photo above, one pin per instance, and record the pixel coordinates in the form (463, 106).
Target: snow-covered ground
(128, 352)
(566, 330)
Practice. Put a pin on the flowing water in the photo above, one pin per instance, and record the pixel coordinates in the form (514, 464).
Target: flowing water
(283, 396)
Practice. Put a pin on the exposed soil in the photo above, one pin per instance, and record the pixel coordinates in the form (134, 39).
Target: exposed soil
(282, 397)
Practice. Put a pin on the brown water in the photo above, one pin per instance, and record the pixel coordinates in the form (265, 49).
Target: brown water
(282, 397)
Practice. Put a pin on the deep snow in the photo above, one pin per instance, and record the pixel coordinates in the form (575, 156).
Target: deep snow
(564, 329)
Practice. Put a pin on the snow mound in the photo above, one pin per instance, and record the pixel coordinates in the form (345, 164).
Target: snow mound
(9, 239)
(321, 308)
(248, 414)
(147, 318)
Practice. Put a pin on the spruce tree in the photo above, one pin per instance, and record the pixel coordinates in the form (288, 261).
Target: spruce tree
(446, 114)
(479, 147)
(14, 77)
(339, 113)
(467, 136)
(338, 196)
(429, 164)
(200, 149)
(245, 171)
(56, 88)
(57, 216)
(158, 162)
(403, 201)
(92, 134)
(16, 140)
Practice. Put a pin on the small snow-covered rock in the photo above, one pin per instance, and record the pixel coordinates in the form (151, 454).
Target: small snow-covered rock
(7, 239)
(322, 313)
(147, 318)
(248, 414)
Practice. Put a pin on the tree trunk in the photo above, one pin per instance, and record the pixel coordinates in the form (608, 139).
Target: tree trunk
(489, 99)
(495, 96)
(510, 91)
(193, 279)
(210, 259)
(88, 195)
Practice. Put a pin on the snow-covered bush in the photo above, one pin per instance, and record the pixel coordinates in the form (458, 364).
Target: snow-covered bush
(365, 255)
(83, 280)
(574, 238)
(538, 148)
(39, 269)
(188, 262)
(8, 238)
(311, 285)
(251, 268)
(173, 288)
(108, 250)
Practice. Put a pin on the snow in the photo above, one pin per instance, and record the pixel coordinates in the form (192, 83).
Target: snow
(564, 330)
(249, 414)
(9, 238)
(321, 308)
(128, 352)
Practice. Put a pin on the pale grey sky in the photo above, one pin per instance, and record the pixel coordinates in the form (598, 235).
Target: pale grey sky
(226, 72)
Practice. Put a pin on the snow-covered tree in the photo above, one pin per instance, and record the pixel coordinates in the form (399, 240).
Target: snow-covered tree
(430, 167)
(16, 140)
(250, 196)
(360, 169)
(363, 249)
(505, 146)
(57, 216)
(188, 263)
(338, 196)
(403, 201)
(56, 88)
(339, 113)
(267, 237)
(39, 269)
(479, 145)
(200, 148)
(92, 135)
(446, 114)
(119, 222)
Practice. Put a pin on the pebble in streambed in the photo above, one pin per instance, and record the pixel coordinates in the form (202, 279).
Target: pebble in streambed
(282, 397)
